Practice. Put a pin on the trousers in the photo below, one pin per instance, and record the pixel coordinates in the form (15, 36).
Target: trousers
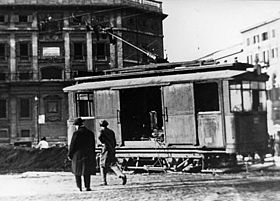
(115, 169)
(79, 181)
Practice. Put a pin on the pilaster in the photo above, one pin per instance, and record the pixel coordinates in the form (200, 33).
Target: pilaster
(89, 52)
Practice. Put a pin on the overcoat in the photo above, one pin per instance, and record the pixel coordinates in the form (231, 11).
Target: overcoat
(82, 152)
(108, 153)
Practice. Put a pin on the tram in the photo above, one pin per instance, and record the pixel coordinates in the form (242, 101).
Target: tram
(181, 116)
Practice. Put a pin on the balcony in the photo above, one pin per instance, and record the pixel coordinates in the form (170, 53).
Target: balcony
(144, 4)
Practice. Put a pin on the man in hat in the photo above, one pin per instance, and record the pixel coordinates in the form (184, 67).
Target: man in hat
(108, 159)
(82, 154)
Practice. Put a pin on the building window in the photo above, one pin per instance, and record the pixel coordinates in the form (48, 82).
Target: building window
(257, 56)
(264, 36)
(250, 59)
(3, 108)
(273, 53)
(2, 52)
(51, 73)
(23, 51)
(84, 104)
(4, 133)
(265, 56)
(79, 51)
(100, 51)
(273, 33)
(256, 39)
(23, 18)
(2, 18)
(247, 96)
(25, 108)
(248, 41)
(2, 76)
(25, 133)
(25, 75)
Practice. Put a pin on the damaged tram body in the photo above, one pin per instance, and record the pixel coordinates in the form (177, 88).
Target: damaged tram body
(176, 115)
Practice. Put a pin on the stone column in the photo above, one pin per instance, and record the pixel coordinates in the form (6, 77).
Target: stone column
(67, 54)
(113, 57)
(89, 51)
(13, 56)
(13, 120)
(119, 45)
(67, 48)
(35, 66)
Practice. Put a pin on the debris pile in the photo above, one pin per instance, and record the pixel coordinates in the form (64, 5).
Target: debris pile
(20, 159)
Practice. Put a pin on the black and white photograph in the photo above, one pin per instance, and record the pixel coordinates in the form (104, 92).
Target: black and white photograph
(139, 100)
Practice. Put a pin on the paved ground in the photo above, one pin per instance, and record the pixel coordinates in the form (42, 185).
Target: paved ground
(255, 185)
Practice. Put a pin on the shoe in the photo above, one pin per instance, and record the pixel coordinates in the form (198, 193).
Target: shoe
(105, 183)
(88, 189)
(124, 180)
(80, 188)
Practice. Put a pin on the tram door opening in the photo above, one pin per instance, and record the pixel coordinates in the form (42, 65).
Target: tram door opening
(141, 112)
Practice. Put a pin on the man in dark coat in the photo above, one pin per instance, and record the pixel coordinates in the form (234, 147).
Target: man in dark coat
(108, 159)
(82, 154)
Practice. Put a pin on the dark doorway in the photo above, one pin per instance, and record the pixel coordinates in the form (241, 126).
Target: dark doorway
(141, 112)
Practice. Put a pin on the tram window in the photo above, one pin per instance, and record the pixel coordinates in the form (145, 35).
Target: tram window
(247, 96)
(84, 104)
(206, 97)
(236, 97)
(247, 100)
(262, 103)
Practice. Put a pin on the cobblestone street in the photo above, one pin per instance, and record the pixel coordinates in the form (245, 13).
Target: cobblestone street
(58, 186)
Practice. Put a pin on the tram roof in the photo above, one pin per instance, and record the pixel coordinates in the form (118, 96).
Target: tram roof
(155, 80)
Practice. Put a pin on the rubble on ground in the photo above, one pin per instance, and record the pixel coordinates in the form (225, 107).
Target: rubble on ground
(20, 159)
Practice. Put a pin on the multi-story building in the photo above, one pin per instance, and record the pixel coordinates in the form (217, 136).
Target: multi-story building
(261, 43)
(44, 44)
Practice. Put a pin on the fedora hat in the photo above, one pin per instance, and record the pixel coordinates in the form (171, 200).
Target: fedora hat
(104, 123)
(78, 121)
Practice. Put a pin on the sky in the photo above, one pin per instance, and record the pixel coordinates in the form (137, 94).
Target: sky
(195, 28)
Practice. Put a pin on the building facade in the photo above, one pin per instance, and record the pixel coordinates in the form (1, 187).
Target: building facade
(45, 44)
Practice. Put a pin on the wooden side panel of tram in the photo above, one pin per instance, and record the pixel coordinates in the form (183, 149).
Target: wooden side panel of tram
(178, 103)
(210, 130)
(107, 106)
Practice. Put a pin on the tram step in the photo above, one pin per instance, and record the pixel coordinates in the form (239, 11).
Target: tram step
(147, 168)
